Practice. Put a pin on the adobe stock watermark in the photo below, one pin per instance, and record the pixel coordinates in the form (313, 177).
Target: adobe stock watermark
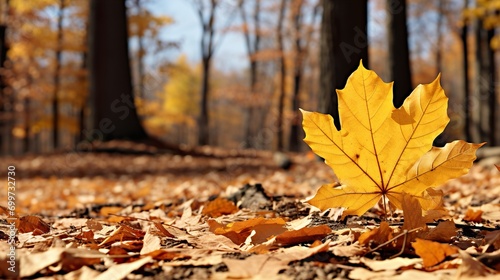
(11, 220)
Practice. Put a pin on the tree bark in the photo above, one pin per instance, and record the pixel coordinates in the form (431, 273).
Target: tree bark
(115, 115)
(482, 81)
(399, 55)
(57, 78)
(492, 91)
(343, 44)
(467, 94)
(252, 44)
(282, 77)
(4, 98)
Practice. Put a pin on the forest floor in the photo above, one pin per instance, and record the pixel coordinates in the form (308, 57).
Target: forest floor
(227, 215)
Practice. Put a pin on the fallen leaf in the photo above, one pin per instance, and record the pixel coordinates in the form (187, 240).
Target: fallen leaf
(122, 233)
(443, 232)
(473, 216)
(33, 224)
(471, 267)
(239, 231)
(218, 207)
(493, 238)
(292, 237)
(412, 212)
(120, 271)
(381, 151)
(268, 265)
(377, 236)
(432, 252)
(151, 241)
(390, 264)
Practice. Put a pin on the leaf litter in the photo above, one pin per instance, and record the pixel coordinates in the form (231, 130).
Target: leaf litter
(190, 224)
(226, 214)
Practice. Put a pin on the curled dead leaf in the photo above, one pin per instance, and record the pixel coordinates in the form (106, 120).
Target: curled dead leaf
(377, 236)
(239, 231)
(292, 237)
(33, 224)
(218, 207)
(473, 216)
(432, 252)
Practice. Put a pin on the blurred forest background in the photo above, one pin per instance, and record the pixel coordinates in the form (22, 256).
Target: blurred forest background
(75, 71)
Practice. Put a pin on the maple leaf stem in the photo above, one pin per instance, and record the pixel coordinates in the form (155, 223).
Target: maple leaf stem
(385, 207)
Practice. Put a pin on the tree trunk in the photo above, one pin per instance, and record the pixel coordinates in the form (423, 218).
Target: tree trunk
(295, 127)
(115, 115)
(140, 60)
(467, 95)
(343, 44)
(27, 124)
(252, 43)
(482, 81)
(203, 121)
(4, 98)
(492, 91)
(399, 56)
(282, 77)
(57, 78)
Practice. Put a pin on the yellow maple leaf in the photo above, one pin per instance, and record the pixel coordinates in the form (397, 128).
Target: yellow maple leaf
(382, 151)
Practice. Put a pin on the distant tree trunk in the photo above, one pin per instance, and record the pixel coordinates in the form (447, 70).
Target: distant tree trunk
(4, 98)
(57, 78)
(252, 44)
(467, 94)
(81, 110)
(492, 91)
(140, 58)
(399, 55)
(282, 77)
(297, 72)
(483, 80)
(343, 44)
(207, 51)
(115, 115)
(27, 124)
(439, 35)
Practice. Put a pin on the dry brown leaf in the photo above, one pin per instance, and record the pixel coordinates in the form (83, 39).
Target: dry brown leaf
(412, 212)
(443, 232)
(493, 238)
(390, 264)
(33, 224)
(122, 233)
(120, 271)
(268, 265)
(72, 258)
(292, 237)
(473, 216)
(377, 235)
(162, 254)
(432, 252)
(239, 231)
(93, 225)
(471, 267)
(162, 229)
(218, 207)
(152, 241)
(109, 210)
